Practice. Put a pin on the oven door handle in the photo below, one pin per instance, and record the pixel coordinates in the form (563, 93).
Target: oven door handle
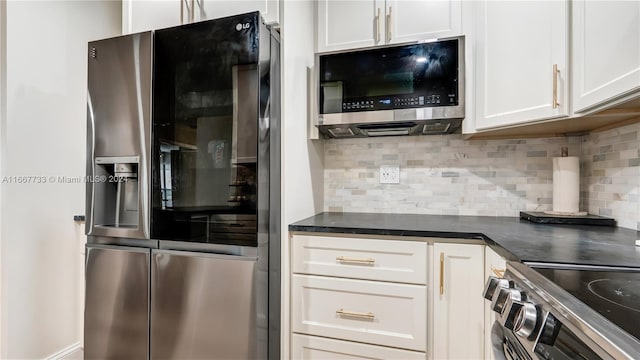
(498, 343)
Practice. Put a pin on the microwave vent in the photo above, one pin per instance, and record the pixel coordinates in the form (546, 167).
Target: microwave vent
(340, 132)
(436, 128)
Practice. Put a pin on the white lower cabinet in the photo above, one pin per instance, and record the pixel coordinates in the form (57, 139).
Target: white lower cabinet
(365, 298)
(365, 311)
(358, 298)
(304, 347)
(458, 305)
(360, 258)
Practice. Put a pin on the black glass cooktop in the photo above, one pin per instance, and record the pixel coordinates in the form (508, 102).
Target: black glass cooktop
(614, 294)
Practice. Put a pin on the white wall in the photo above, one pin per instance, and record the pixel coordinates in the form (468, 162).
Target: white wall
(302, 159)
(3, 73)
(44, 134)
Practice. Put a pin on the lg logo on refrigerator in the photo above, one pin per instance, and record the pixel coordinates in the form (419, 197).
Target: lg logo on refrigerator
(242, 26)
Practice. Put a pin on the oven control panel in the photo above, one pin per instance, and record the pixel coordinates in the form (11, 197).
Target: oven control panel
(516, 312)
(529, 323)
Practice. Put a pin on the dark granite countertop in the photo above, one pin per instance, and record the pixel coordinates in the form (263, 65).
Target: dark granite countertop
(511, 237)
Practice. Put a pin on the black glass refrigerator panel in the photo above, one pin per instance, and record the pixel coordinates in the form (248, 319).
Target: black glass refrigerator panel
(205, 132)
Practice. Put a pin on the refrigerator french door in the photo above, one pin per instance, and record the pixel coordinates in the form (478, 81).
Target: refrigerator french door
(207, 131)
(208, 173)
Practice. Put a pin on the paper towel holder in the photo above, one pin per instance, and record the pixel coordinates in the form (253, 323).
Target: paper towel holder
(566, 185)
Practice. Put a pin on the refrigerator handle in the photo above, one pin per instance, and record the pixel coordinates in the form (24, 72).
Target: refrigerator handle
(91, 167)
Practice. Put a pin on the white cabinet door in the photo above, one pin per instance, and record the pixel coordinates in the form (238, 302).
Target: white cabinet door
(349, 24)
(606, 51)
(518, 44)
(411, 20)
(213, 9)
(144, 15)
(305, 347)
(361, 23)
(458, 305)
(494, 265)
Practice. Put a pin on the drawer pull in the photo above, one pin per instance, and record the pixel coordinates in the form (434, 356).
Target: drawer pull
(367, 315)
(441, 274)
(498, 272)
(343, 259)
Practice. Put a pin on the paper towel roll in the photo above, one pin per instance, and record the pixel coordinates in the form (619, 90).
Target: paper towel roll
(566, 184)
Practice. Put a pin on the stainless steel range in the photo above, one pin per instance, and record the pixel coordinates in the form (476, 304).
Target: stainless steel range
(548, 311)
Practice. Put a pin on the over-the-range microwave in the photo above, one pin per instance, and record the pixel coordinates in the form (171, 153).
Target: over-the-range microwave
(408, 89)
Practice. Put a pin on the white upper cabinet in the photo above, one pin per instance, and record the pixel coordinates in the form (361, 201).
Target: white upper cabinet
(212, 9)
(418, 20)
(143, 15)
(348, 24)
(606, 51)
(521, 61)
(362, 23)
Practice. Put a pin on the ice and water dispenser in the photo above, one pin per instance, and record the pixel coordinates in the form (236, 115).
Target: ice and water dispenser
(116, 182)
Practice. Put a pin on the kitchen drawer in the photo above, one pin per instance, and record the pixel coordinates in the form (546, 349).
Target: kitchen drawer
(367, 311)
(304, 347)
(384, 260)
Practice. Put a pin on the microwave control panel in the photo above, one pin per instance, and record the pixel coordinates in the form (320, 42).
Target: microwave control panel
(398, 102)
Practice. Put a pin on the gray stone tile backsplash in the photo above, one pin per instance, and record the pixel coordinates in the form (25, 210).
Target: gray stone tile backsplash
(448, 175)
(610, 175)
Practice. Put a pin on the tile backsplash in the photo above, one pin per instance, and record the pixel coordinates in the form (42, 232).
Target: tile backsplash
(451, 176)
(610, 167)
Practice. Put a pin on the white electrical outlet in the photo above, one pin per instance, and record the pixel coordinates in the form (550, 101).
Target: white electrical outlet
(389, 174)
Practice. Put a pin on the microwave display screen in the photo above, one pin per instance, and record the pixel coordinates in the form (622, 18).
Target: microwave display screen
(408, 76)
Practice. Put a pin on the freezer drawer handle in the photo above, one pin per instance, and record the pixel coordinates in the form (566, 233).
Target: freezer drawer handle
(361, 315)
(343, 259)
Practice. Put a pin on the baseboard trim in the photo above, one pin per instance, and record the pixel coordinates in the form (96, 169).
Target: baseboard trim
(60, 355)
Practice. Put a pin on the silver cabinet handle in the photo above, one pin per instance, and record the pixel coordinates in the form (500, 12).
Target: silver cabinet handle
(377, 19)
(201, 14)
(343, 259)
(356, 314)
(388, 24)
(181, 11)
(556, 72)
(189, 6)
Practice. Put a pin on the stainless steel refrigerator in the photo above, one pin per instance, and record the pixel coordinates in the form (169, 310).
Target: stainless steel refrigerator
(183, 193)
